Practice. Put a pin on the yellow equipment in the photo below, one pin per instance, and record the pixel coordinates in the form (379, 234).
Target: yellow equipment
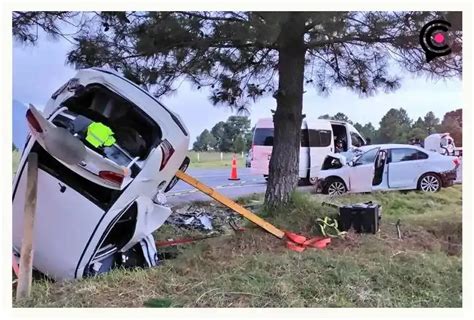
(100, 135)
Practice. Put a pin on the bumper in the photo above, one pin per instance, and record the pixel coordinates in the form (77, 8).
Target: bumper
(448, 177)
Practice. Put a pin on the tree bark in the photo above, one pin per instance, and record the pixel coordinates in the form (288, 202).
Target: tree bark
(284, 162)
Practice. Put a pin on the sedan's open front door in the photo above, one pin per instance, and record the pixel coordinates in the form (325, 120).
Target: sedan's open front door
(360, 177)
(362, 171)
(380, 161)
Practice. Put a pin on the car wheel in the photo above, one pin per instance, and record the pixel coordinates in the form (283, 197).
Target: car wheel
(429, 182)
(266, 177)
(335, 187)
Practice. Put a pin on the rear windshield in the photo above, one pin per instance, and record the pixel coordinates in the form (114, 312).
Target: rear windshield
(263, 137)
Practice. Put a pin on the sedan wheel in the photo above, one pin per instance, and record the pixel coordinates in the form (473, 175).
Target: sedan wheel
(430, 183)
(336, 188)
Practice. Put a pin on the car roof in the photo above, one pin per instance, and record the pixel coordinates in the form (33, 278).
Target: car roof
(264, 123)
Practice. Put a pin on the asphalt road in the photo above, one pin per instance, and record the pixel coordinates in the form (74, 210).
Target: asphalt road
(219, 180)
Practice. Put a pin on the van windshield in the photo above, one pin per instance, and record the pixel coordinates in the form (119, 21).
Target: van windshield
(263, 137)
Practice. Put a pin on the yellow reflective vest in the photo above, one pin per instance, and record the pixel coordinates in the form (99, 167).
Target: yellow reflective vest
(99, 135)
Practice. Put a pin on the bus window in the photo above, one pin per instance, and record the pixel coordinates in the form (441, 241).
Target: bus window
(319, 138)
(356, 140)
(263, 137)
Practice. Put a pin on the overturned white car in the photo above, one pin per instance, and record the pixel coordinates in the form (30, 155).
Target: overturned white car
(386, 167)
(99, 199)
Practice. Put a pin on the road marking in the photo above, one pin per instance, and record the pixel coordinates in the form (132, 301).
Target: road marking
(227, 186)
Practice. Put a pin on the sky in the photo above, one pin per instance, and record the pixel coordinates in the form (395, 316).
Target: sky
(39, 70)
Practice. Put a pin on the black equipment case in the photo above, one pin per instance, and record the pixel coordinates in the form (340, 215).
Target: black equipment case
(363, 217)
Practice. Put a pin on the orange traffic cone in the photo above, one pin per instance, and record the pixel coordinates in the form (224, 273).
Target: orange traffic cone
(233, 172)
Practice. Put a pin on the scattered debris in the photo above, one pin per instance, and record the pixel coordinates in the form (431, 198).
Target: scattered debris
(207, 218)
(205, 221)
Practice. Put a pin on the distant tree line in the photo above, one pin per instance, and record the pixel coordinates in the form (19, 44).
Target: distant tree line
(397, 127)
(235, 135)
(232, 135)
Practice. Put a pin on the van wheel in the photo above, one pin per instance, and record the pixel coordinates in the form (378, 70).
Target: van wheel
(334, 187)
(429, 182)
(307, 181)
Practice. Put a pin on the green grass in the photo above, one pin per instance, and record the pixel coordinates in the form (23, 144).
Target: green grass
(16, 160)
(213, 160)
(254, 269)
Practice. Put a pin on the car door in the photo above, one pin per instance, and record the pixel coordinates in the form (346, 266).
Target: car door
(320, 141)
(362, 172)
(405, 165)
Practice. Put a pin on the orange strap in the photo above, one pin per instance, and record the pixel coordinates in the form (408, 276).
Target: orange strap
(299, 243)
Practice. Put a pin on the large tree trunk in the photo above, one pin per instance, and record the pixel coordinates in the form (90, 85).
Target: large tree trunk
(284, 162)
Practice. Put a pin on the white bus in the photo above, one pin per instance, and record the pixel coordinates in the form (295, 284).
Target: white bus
(318, 139)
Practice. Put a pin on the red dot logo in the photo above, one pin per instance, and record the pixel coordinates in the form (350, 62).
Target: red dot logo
(434, 39)
(439, 38)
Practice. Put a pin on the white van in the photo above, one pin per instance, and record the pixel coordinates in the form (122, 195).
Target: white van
(100, 210)
(318, 138)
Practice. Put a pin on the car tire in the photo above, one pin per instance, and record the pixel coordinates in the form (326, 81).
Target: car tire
(334, 187)
(429, 182)
(307, 181)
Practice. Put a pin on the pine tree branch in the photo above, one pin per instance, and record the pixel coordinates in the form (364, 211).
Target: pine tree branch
(210, 18)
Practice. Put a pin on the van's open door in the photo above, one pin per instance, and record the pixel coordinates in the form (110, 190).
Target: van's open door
(320, 138)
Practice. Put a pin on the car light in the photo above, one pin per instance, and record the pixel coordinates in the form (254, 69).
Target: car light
(456, 162)
(160, 198)
(111, 176)
(167, 150)
(33, 121)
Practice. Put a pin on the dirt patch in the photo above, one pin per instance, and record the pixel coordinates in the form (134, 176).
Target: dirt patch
(444, 237)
